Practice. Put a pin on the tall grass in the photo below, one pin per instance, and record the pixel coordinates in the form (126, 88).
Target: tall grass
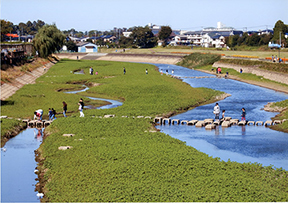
(195, 60)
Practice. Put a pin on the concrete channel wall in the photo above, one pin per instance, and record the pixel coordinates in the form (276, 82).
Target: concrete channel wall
(275, 76)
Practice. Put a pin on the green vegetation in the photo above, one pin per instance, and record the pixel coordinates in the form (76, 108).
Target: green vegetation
(10, 128)
(283, 115)
(121, 159)
(48, 40)
(195, 60)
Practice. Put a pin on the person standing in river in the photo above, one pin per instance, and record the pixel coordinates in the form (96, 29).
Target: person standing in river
(216, 111)
(81, 107)
(243, 115)
(64, 108)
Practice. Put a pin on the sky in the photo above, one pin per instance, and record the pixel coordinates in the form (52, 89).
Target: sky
(86, 15)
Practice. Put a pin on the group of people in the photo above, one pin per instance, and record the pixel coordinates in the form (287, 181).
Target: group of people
(217, 113)
(38, 114)
(172, 72)
(52, 114)
(275, 59)
(91, 70)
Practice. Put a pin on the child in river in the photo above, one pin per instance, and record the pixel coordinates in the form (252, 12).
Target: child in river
(243, 115)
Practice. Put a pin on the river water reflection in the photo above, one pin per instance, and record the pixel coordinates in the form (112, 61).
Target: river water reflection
(242, 144)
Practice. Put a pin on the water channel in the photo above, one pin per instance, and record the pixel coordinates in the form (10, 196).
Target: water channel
(242, 144)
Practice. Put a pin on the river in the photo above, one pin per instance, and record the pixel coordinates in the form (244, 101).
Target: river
(242, 144)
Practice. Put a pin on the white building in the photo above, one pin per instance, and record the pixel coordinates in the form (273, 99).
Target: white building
(87, 47)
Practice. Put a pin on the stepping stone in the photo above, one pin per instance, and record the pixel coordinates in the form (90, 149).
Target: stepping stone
(210, 127)
(64, 147)
(68, 135)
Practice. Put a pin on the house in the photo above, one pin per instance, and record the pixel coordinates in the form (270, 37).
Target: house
(266, 32)
(127, 34)
(87, 47)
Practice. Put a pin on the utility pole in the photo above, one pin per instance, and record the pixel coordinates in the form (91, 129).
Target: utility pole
(95, 36)
(280, 45)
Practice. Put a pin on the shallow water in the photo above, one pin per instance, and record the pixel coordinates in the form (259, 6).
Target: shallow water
(18, 165)
(242, 144)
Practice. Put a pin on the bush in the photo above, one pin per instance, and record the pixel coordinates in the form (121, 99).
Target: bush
(195, 60)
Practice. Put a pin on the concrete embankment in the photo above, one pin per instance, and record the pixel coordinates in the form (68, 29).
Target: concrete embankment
(271, 75)
(144, 58)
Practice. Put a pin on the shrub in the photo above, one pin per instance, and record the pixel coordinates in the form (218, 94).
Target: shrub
(195, 60)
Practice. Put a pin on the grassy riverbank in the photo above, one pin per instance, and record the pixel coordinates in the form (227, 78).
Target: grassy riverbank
(124, 159)
(10, 128)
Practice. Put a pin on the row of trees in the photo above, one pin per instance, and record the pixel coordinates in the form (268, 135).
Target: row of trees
(143, 37)
(50, 39)
(29, 28)
(257, 40)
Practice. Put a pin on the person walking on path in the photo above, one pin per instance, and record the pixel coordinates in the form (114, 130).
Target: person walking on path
(81, 107)
(38, 114)
(243, 115)
(216, 111)
(64, 108)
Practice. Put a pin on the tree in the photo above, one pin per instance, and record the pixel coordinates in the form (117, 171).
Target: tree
(280, 27)
(143, 37)
(48, 40)
(164, 34)
(6, 27)
(125, 42)
(71, 46)
(243, 39)
(254, 40)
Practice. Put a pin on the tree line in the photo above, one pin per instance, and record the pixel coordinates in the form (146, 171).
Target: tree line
(49, 38)
(257, 40)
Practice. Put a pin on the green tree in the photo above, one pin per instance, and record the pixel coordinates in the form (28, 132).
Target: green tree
(164, 34)
(265, 39)
(235, 39)
(71, 46)
(48, 40)
(243, 39)
(125, 42)
(143, 37)
(254, 40)
(280, 27)
(6, 27)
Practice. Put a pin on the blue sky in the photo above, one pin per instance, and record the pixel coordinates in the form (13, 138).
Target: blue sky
(86, 15)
